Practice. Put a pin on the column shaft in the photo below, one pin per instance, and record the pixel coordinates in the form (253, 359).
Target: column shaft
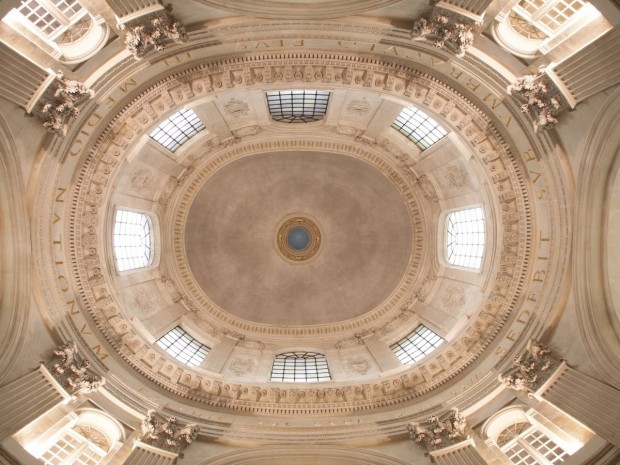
(587, 400)
(592, 69)
(463, 453)
(27, 398)
(143, 454)
(20, 79)
(217, 358)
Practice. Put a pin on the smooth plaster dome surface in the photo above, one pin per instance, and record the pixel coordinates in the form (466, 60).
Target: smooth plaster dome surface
(231, 225)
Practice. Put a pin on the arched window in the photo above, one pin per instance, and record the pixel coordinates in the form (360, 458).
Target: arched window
(298, 106)
(133, 240)
(176, 130)
(419, 127)
(524, 440)
(300, 367)
(416, 345)
(530, 27)
(183, 347)
(62, 28)
(85, 438)
(464, 244)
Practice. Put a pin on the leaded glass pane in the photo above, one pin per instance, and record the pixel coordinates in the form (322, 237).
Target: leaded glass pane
(419, 127)
(414, 347)
(132, 240)
(298, 106)
(300, 367)
(183, 347)
(465, 238)
(176, 130)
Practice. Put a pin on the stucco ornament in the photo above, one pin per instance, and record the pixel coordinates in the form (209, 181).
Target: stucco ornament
(60, 102)
(72, 372)
(531, 369)
(152, 30)
(544, 101)
(167, 434)
(445, 29)
(237, 108)
(438, 433)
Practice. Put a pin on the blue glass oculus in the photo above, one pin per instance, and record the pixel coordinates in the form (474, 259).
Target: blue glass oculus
(298, 238)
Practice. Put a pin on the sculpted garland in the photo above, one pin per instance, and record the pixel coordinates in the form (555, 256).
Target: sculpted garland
(404, 83)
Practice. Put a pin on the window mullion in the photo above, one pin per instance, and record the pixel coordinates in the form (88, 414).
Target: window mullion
(55, 12)
(543, 10)
(532, 451)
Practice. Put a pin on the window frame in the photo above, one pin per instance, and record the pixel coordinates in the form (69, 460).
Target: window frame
(408, 340)
(200, 346)
(445, 258)
(154, 234)
(425, 142)
(196, 128)
(279, 373)
(320, 103)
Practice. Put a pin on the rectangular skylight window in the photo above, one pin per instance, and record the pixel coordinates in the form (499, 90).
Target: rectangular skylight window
(176, 130)
(298, 106)
(419, 127)
(465, 237)
(417, 345)
(132, 240)
(183, 347)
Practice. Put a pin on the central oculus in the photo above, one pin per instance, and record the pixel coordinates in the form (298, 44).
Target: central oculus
(298, 238)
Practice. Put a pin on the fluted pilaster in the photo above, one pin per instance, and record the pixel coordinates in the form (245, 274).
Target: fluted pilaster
(462, 453)
(382, 354)
(27, 398)
(144, 454)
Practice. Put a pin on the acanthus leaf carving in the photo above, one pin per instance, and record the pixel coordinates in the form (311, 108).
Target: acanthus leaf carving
(59, 102)
(445, 29)
(167, 434)
(530, 370)
(438, 433)
(152, 31)
(72, 371)
(544, 101)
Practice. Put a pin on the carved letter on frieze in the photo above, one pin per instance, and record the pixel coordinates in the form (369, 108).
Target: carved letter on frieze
(60, 102)
(445, 29)
(531, 369)
(544, 101)
(438, 433)
(152, 31)
(71, 371)
(167, 434)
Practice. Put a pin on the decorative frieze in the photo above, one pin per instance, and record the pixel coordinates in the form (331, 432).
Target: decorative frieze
(152, 31)
(437, 432)
(531, 370)
(445, 29)
(167, 434)
(60, 102)
(543, 100)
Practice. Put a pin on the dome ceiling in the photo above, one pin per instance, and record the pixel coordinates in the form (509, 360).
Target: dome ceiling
(231, 230)
(217, 203)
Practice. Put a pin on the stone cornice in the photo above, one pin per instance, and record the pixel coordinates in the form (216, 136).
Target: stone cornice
(117, 132)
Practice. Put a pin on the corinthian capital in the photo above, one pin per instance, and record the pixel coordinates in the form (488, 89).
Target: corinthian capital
(167, 434)
(531, 369)
(445, 29)
(71, 371)
(543, 100)
(437, 432)
(152, 31)
(60, 102)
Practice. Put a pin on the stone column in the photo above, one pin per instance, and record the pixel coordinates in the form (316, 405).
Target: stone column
(161, 442)
(21, 80)
(144, 454)
(444, 438)
(462, 453)
(588, 400)
(27, 398)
